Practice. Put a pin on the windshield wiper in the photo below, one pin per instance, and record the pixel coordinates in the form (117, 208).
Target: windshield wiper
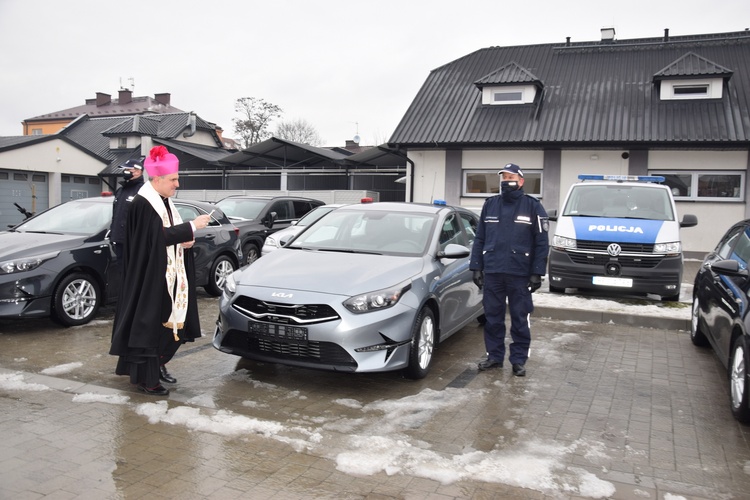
(339, 250)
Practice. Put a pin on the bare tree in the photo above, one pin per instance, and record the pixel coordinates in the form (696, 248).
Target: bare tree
(298, 131)
(256, 115)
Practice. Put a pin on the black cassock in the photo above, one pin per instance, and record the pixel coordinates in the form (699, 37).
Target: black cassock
(139, 337)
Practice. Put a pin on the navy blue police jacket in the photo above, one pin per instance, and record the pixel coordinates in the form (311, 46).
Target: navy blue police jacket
(512, 236)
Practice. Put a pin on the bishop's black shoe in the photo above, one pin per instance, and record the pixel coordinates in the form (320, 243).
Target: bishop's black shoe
(164, 375)
(488, 364)
(159, 390)
(519, 370)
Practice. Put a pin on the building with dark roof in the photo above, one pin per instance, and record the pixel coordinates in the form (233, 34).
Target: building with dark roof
(101, 106)
(677, 106)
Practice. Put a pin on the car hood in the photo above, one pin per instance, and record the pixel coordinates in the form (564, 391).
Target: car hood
(14, 245)
(329, 272)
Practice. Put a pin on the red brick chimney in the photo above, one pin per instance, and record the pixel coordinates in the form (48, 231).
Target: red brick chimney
(103, 99)
(126, 96)
(163, 98)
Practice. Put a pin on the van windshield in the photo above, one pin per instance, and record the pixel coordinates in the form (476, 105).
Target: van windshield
(619, 201)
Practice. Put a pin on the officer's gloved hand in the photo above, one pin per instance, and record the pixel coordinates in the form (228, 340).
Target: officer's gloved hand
(535, 282)
(479, 279)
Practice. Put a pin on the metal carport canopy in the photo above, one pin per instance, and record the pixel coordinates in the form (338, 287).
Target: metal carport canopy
(280, 154)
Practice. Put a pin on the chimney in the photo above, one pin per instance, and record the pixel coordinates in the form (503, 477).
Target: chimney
(103, 99)
(163, 98)
(126, 96)
(666, 34)
(608, 35)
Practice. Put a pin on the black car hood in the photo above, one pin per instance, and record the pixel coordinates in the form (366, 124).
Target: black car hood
(17, 244)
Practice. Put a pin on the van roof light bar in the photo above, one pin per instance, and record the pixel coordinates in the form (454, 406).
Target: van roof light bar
(621, 178)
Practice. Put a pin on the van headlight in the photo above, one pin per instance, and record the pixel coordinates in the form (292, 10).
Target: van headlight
(671, 248)
(563, 243)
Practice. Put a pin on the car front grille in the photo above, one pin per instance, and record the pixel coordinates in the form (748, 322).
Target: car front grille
(318, 353)
(601, 246)
(624, 260)
(274, 312)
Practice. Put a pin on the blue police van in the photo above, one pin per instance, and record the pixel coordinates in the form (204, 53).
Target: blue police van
(618, 233)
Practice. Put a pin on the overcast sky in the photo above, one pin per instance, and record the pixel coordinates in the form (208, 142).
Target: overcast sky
(346, 67)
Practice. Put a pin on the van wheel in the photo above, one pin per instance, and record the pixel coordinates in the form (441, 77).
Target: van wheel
(422, 344)
(671, 298)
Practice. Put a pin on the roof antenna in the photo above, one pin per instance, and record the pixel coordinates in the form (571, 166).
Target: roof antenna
(356, 137)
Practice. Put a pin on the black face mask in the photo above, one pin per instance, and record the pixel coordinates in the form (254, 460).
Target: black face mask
(508, 186)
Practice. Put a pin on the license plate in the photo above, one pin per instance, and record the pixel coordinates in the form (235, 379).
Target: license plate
(288, 334)
(610, 281)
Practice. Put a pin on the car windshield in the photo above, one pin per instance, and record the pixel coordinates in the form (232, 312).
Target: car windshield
(236, 208)
(400, 233)
(314, 215)
(77, 217)
(619, 201)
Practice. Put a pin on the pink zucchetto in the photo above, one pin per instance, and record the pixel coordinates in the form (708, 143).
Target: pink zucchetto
(161, 162)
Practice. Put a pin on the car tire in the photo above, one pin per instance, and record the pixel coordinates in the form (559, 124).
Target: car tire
(220, 270)
(422, 344)
(738, 380)
(482, 319)
(250, 253)
(76, 299)
(696, 334)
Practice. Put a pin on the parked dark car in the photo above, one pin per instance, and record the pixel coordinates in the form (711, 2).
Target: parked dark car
(217, 248)
(60, 263)
(258, 216)
(367, 288)
(720, 312)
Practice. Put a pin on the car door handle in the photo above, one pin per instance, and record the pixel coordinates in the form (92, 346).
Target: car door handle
(210, 236)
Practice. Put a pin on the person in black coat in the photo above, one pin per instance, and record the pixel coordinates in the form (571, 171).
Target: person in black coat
(129, 186)
(157, 310)
(509, 258)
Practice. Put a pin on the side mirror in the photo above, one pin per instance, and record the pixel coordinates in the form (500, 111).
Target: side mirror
(552, 215)
(730, 268)
(689, 220)
(269, 219)
(453, 251)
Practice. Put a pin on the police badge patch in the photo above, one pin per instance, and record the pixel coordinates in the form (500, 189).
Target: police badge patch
(543, 224)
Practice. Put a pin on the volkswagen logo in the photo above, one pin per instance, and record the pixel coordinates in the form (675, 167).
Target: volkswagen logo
(614, 249)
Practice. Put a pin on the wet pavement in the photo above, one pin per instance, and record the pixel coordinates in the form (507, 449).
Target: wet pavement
(607, 410)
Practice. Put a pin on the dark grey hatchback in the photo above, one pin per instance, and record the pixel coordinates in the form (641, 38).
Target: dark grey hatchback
(720, 312)
(60, 263)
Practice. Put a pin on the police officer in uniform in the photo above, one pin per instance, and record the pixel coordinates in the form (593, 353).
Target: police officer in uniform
(509, 258)
(129, 186)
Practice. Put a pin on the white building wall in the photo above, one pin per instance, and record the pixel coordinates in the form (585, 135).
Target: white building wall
(428, 176)
(714, 218)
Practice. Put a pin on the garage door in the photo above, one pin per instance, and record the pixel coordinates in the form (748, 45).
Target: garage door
(28, 189)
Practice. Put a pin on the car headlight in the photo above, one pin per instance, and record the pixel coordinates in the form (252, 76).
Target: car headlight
(564, 243)
(671, 248)
(230, 285)
(26, 263)
(375, 301)
(271, 242)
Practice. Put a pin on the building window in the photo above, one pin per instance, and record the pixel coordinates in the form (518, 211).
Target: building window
(122, 142)
(680, 90)
(499, 95)
(484, 183)
(705, 186)
(36, 131)
(38, 178)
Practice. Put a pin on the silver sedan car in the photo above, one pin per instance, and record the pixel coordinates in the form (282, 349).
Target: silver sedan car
(368, 288)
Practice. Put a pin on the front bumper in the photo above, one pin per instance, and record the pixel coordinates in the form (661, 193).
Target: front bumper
(371, 342)
(25, 297)
(655, 275)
